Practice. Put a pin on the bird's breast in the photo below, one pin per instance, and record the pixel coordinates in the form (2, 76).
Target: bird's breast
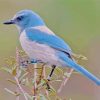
(38, 51)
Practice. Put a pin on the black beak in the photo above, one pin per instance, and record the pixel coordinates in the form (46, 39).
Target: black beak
(9, 22)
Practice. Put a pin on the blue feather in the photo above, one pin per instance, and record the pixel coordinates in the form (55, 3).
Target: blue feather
(48, 39)
(70, 63)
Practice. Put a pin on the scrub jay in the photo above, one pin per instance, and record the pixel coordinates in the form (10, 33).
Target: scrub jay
(42, 45)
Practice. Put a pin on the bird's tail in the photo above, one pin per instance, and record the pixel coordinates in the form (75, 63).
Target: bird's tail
(83, 71)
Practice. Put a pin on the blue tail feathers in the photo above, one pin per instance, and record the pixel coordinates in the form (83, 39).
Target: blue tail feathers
(86, 73)
(82, 70)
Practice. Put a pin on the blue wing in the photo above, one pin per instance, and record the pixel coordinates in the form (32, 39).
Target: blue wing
(48, 39)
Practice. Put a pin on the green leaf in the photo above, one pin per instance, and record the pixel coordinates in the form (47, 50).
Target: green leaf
(58, 70)
(52, 91)
(42, 97)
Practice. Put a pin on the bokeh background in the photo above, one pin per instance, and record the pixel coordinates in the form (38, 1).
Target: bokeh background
(76, 21)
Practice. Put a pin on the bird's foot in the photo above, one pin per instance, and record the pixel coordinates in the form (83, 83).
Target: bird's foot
(49, 78)
(25, 63)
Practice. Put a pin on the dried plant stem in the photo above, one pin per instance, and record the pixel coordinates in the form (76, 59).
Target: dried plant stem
(44, 75)
(44, 72)
(40, 74)
(21, 89)
(17, 57)
(17, 81)
(65, 80)
(35, 81)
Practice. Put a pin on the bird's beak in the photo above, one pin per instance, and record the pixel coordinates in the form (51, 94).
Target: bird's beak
(9, 22)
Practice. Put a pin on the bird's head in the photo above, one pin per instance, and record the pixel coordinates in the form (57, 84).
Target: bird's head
(24, 19)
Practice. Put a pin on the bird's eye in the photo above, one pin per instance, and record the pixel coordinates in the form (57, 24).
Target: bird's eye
(19, 18)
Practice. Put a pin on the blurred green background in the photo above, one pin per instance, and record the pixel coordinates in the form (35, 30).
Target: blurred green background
(76, 21)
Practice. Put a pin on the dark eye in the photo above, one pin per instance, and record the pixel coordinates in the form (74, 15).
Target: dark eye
(19, 18)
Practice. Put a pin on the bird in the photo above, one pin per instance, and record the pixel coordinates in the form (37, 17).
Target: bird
(43, 45)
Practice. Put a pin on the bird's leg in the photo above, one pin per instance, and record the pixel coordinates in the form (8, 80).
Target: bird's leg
(49, 77)
(53, 68)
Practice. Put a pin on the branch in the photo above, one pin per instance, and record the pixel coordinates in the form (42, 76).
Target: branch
(35, 81)
(21, 89)
(64, 82)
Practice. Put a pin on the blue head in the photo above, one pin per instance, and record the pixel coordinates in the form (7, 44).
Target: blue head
(26, 18)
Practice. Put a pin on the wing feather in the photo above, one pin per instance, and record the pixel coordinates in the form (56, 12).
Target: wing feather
(43, 37)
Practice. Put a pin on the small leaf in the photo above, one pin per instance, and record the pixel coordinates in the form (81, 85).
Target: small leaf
(79, 56)
(67, 74)
(6, 69)
(33, 81)
(52, 91)
(11, 81)
(10, 61)
(56, 81)
(11, 92)
(14, 71)
(42, 97)
(58, 70)
(24, 75)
